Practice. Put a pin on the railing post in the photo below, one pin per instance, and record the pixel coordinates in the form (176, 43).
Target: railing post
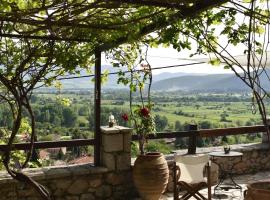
(97, 107)
(265, 136)
(192, 139)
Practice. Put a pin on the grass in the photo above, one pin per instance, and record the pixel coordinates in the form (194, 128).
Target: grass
(211, 111)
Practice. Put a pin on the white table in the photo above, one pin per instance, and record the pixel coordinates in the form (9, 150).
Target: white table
(226, 172)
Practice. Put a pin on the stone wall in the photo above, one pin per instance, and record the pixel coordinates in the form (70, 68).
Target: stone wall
(113, 181)
(256, 157)
(76, 182)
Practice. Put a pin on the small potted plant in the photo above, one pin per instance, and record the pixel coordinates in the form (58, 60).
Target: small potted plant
(227, 149)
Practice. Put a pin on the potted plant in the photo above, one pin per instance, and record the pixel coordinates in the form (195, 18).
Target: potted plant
(227, 149)
(150, 171)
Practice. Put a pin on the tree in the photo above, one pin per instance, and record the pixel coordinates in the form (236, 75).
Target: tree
(6, 120)
(249, 123)
(223, 116)
(178, 126)
(23, 64)
(77, 134)
(197, 106)
(84, 110)
(180, 141)
(46, 116)
(91, 121)
(161, 122)
(224, 139)
(69, 117)
(205, 124)
(34, 99)
(57, 121)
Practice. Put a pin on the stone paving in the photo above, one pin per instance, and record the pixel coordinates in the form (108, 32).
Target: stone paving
(233, 194)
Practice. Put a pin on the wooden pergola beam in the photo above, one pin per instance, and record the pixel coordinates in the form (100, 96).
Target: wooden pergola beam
(47, 24)
(49, 37)
(176, 4)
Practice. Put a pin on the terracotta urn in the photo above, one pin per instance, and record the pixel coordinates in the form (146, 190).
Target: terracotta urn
(258, 191)
(151, 175)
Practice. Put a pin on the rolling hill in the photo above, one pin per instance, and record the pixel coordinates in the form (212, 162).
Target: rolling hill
(206, 83)
(172, 81)
(87, 83)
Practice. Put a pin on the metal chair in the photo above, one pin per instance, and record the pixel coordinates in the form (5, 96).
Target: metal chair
(189, 176)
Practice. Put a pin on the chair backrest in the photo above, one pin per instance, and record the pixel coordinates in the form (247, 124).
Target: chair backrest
(191, 167)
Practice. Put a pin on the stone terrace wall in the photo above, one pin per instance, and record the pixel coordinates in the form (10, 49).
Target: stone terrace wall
(77, 182)
(256, 157)
(113, 181)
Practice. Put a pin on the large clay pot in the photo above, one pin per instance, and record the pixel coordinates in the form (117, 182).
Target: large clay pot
(151, 175)
(214, 172)
(258, 191)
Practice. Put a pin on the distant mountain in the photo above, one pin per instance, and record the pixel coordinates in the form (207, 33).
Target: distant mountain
(167, 75)
(86, 83)
(206, 83)
(171, 82)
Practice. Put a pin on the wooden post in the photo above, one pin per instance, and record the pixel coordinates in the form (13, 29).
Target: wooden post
(97, 107)
(192, 139)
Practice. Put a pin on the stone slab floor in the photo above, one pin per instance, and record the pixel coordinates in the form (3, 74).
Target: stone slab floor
(242, 180)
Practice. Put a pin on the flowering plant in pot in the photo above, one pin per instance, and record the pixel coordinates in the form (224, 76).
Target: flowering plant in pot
(150, 167)
(141, 117)
(136, 72)
(143, 124)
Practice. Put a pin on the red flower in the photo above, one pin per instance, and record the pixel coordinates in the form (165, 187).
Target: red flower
(145, 112)
(125, 117)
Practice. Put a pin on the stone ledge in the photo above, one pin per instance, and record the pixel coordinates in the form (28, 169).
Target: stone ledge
(234, 147)
(115, 130)
(56, 172)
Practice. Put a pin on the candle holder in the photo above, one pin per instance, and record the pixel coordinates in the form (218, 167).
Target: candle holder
(111, 120)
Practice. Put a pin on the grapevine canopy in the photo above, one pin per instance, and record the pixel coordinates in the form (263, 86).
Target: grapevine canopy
(103, 24)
